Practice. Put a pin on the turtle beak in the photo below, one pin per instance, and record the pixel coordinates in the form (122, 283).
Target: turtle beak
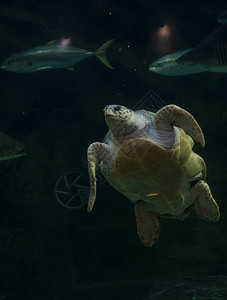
(111, 115)
(110, 110)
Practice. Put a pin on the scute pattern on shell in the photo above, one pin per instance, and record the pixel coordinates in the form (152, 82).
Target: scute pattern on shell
(149, 159)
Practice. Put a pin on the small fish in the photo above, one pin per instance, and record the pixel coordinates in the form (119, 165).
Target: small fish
(210, 55)
(10, 148)
(51, 56)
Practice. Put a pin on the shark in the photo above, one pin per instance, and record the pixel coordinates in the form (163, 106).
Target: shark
(210, 55)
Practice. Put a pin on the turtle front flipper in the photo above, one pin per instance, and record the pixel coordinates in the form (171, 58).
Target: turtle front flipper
(95, 153)
(148, 227)
(172, 115)
(205, 206)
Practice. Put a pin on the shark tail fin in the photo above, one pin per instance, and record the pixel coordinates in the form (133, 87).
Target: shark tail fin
(101, 54)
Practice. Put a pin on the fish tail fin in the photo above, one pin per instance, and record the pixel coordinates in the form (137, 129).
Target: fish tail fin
(101, 54)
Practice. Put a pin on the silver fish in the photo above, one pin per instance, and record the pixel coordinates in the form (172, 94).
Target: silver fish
(10, 148)
(210, 55)
(51, 56)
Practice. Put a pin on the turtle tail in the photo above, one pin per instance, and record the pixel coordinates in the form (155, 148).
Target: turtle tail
(101, 54)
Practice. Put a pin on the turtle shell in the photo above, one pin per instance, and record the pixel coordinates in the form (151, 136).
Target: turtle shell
(145, 170)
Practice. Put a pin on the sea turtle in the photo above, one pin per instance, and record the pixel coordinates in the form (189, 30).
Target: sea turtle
(148, 158)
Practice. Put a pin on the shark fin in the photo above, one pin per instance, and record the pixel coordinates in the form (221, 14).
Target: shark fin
(101, 53)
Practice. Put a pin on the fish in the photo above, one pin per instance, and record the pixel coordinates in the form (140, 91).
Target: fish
(10, 148)
(210, 55)
(51, 56)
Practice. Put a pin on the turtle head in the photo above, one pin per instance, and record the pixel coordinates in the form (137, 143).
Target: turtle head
(118, 117)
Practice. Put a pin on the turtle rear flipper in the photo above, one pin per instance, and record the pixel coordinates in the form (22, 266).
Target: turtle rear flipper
(148, 227)
(205, 206)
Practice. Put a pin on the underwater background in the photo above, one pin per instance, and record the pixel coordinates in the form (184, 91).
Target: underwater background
(48, 251)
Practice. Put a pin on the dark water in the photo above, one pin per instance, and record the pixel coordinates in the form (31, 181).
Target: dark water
(50, 252)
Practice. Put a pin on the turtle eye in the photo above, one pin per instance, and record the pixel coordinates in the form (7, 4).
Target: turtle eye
(117, 107)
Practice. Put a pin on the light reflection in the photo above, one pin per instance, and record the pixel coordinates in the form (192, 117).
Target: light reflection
(164, 39)
(164, 31)
(65, 42)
